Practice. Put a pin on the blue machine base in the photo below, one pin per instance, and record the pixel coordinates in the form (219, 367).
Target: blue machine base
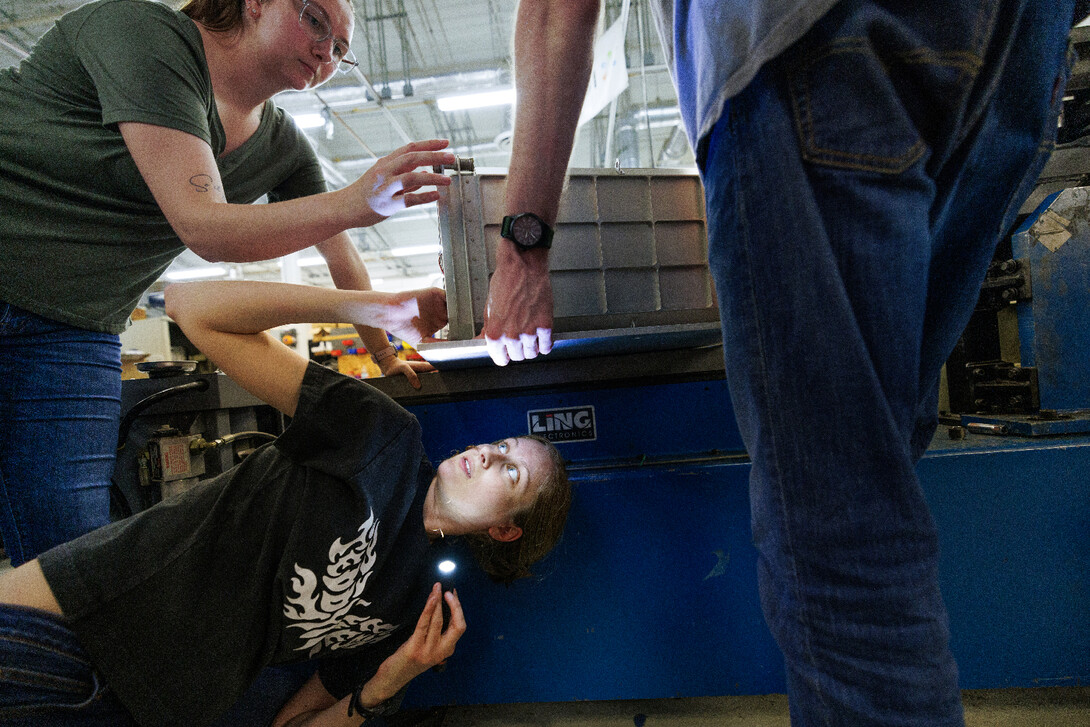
(652, 593)
(1067, 422)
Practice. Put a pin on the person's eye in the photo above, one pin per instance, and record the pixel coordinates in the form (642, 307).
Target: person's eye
(502, 446)
(513, 473)
(314, 21)
(338, 51)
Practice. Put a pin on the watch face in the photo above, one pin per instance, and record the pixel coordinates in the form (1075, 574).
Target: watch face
(527, 230)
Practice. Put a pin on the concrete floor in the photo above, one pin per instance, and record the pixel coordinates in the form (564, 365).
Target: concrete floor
(1043, 707)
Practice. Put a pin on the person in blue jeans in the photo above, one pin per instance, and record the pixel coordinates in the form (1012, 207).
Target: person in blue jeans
(861, 160)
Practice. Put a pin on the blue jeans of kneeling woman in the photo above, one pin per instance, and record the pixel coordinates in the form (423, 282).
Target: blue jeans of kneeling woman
(60, 406)
(47, 679)
(856, 191)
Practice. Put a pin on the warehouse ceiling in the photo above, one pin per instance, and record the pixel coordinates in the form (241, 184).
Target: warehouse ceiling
(412, 53)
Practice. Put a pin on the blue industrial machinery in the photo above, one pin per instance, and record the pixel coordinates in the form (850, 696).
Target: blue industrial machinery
(1039, 385)
(1053, 333)
(653, 594)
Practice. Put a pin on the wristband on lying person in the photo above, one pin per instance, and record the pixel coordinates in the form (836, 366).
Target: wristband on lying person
(382, 709)
(380, 356)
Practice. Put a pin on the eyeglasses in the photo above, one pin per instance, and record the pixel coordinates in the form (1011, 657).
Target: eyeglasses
(315, 22)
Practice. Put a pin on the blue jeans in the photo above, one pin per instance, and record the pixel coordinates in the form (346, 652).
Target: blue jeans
(856, 191)
(60, 405)
(47, 680)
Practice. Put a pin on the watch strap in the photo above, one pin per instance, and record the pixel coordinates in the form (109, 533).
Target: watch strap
(380, 356)
(505, 227)
(383, 709)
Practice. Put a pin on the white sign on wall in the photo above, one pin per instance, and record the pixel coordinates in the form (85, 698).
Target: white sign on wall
(609, 76)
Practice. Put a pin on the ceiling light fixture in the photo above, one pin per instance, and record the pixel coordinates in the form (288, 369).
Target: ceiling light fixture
(410, 250)
(501, 97)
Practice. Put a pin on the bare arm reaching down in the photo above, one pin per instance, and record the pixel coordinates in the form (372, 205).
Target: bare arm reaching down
(554, 49)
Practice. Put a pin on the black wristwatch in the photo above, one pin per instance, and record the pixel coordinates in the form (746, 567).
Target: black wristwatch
(527, 231)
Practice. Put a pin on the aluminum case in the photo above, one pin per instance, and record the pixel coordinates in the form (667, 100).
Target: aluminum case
(628, 263)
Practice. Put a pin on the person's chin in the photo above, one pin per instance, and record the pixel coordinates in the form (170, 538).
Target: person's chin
(302, 77)
(294, 83)
(439, 484)
(317, 81)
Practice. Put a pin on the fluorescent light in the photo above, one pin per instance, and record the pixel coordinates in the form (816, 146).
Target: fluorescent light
(195, 273)
(396, 285)
(410, 250)
(303, 261)
(502, 97)
(309, 121)
(659, 113)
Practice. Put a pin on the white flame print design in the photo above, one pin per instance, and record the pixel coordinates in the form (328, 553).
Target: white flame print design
(324, 614)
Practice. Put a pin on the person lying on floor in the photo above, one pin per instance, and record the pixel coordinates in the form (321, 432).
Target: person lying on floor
(318, 546)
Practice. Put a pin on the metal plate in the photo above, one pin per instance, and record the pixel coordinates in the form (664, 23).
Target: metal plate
(164, 369)
(446, 355)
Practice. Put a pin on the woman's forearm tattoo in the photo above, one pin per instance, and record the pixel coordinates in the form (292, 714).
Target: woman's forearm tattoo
(203, 182)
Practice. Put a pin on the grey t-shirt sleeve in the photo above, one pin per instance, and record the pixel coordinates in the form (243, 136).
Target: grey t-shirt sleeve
(147, 64)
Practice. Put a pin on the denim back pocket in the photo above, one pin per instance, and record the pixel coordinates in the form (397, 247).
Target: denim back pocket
(43, 678)
(876, 93)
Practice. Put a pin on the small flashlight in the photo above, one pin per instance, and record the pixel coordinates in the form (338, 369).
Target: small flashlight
(446, 569)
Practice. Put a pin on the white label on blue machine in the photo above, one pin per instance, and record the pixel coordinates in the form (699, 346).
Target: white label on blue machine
(568, 424)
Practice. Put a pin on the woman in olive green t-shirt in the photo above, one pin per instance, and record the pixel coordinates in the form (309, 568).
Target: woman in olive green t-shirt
(131, 132)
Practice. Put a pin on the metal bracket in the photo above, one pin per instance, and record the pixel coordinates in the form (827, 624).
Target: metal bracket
(461, 165)
(1000, 386)
(1006, 282)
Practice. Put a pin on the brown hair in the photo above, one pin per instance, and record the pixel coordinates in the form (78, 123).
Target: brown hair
(542, 524)
(221, 15)
(216, 15)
